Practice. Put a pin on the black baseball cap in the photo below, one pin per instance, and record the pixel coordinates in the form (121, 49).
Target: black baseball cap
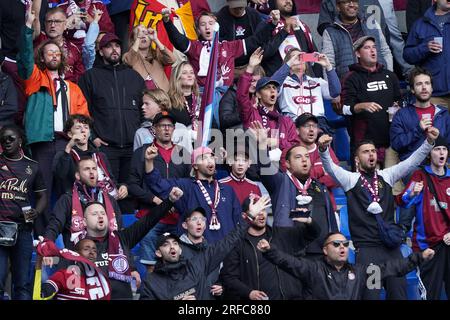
(304, 118)
(163, 238)
(163, 115)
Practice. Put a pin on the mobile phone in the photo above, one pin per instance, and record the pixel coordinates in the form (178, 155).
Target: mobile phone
(309, 57)
(299, 214)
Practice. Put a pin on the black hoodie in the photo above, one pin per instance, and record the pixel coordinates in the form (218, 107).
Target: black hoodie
(114, 97)
(380, 86)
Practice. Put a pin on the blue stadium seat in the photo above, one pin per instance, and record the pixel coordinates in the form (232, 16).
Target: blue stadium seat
(127, 220)
(343, 214)
(339, 196)
(341, 143)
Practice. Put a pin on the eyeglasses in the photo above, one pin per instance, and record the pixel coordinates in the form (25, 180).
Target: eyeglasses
(50, 22)
(51, 54)
(196, 219)
(165, 126)
(337, 243)
(347, 2)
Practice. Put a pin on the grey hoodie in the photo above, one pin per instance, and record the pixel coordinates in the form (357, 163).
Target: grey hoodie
(143, 135)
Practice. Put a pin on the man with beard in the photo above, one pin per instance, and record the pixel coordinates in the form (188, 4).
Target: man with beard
(427, 47)
(429, 190)
(295, 192)
(114, 93)
(193, 244)
(246, 274)
(371, 206)
(222, 206)
(97, 222)
(333, 278)
(54, 29)
(51, 100)
(85, 189)
(177, 277)
(78, 129)
(410, 124)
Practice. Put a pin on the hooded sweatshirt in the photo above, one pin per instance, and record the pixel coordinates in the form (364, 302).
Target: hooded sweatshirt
(380, 86)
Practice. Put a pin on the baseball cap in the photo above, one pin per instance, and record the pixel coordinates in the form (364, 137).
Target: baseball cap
(236, 3)
(264, 81)
(107, 38)
(163, 115)
(304, 118)
(198, 209)
(163, 238)
(360, 42)
(199, 152)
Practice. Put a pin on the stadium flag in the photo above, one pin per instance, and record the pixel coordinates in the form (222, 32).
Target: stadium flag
(148, 14)
(209, 98)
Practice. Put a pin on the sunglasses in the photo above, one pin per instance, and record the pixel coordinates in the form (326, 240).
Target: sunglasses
(51, 54)
(337, 243)
(8, 139)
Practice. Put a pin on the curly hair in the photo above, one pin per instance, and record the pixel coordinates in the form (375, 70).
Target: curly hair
(40, 57)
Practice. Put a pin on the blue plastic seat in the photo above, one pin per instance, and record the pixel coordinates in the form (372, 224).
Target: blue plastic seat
(341, 143)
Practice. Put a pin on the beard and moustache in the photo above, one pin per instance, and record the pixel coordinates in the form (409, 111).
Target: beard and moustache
(418, 98)
(111, 60)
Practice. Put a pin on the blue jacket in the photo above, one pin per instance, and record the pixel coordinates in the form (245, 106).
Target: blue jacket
(406, 134)
(283, 196)
(228, 210)
(416, 51)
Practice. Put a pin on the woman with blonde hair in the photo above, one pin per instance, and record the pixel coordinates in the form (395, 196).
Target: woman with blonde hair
(153, 102)
(185, 97)
(149, 62)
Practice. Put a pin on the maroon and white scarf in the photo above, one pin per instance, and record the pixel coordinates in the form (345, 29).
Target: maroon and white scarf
(106, 183)
(92, 273)
(118, 265)
(374, 207)
(193, 110)
(214, 223)
(267, 115)
(303, 198)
